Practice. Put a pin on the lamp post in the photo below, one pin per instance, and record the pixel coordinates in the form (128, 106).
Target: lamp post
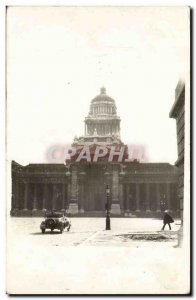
(107, 206)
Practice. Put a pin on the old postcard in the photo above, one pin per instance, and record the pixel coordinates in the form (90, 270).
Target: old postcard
(98, 150)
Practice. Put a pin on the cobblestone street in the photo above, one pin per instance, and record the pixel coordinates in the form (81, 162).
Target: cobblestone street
(88, 259)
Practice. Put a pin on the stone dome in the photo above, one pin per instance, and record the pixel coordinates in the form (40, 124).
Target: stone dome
(102, 104)
(102, 97)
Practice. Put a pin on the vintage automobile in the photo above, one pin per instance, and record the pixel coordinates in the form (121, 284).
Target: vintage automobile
(55, 220)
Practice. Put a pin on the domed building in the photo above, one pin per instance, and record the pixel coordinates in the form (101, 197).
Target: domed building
(102, 125)
(102, 119)
(79, 187)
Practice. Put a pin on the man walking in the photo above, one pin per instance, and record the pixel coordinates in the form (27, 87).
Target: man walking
(167, 219)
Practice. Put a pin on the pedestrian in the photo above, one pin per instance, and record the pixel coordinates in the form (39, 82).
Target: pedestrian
(167, 219)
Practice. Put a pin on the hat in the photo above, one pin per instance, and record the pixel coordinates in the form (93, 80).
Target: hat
(166, 211)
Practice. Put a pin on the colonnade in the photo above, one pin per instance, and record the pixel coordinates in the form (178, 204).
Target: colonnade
(103, 109)
(136, 197)
(22, 202)
(101, 128)
(159, 201)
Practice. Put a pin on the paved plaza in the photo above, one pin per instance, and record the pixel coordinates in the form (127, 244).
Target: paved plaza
(88, 259)
(91, 231)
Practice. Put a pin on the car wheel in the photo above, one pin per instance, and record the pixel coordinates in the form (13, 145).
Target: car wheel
(61, 228)
(43, 230)
(68, 229)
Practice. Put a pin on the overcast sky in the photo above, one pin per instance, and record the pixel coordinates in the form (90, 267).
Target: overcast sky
(59, 57)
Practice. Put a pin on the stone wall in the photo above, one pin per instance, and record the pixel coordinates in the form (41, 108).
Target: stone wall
(145, 189)
(177, 112)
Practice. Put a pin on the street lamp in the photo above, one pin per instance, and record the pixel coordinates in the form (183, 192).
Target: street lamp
(107, 206)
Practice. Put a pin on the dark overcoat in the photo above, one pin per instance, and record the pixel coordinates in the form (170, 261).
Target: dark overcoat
(167, 219)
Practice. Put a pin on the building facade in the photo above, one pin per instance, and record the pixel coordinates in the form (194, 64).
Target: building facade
(177, 112)
(78, 186)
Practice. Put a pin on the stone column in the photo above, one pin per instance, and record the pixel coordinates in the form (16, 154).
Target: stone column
(86, 126)
(35, 197)
(54, 196)
(168, 195)
(158, 196)
(127, 210)
(63, 188)
(137, 197)
(68, 194)
(16, 196)
(82, 178)
(121, 191)
(115, 208)
(147, 197)
(26, 190)
(44, 197)
(81, 210)
(73, 205)
(121, 198)
(68, 175)
(13, 203)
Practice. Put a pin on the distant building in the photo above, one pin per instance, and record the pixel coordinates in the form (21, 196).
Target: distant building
(78, 187)
(177, 112)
